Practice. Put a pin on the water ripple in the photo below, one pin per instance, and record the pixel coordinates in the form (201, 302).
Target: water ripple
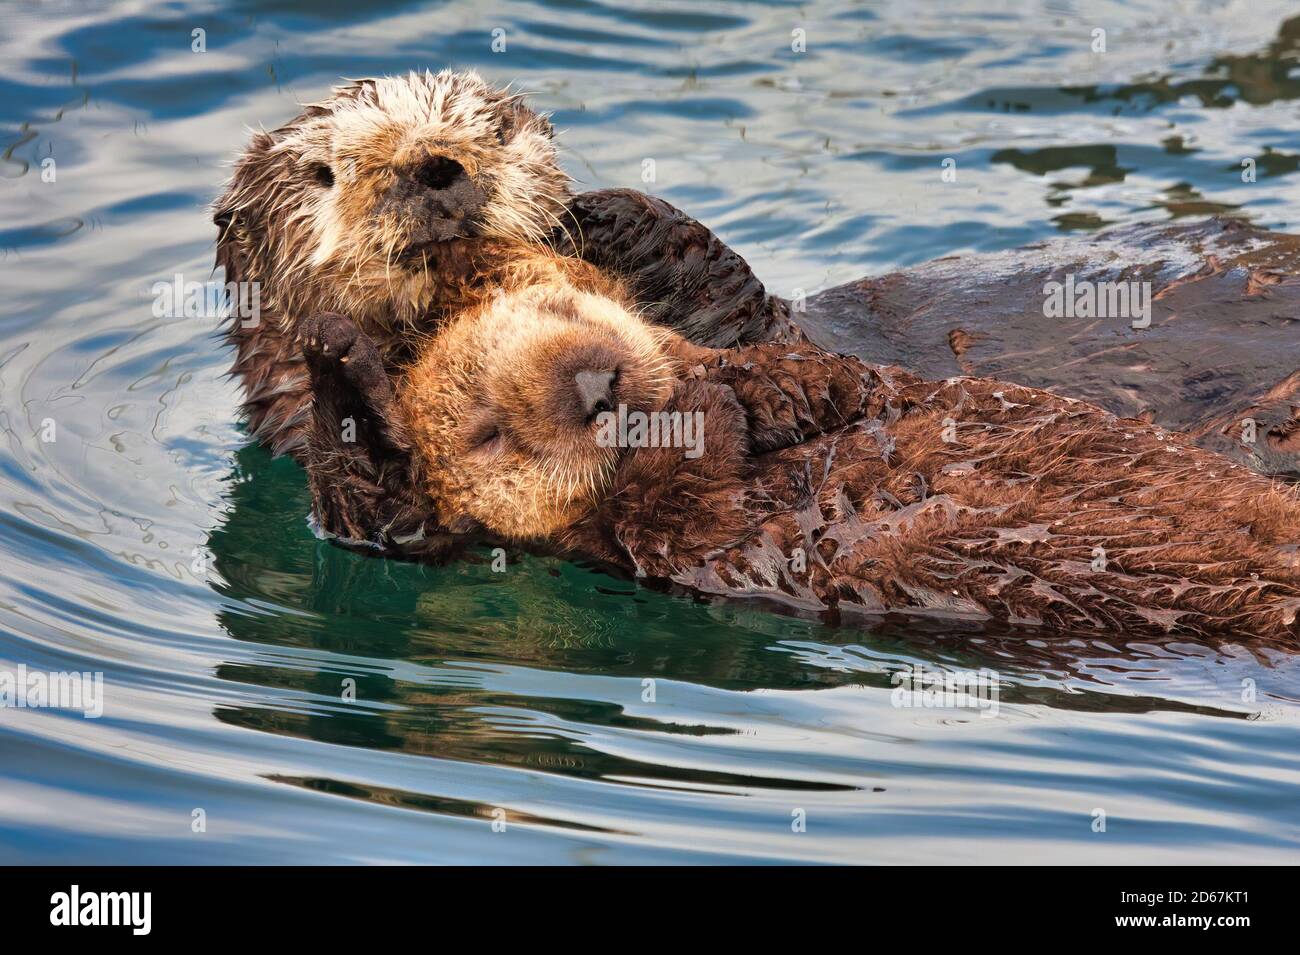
(321, 706)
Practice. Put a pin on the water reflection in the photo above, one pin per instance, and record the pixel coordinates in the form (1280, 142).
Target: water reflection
(366, 618)
(1260, 79)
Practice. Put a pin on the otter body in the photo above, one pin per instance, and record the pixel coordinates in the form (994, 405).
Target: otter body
(402, 201)
(394, 202)
(1214, 353)
(968, 498)
(822, 482)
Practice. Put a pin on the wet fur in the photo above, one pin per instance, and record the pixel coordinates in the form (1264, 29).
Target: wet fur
(316, 248)
(848, 463)
(1007, 522)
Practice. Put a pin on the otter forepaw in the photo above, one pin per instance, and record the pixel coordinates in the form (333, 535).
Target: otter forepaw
(327, 338)
(334, 345)
(790, 398)
(329, 341)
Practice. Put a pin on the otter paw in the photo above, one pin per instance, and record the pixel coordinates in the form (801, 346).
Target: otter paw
(327, 337)
(334, 346)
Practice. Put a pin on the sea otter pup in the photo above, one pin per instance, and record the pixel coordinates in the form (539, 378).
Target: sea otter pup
(402, 200)
(823, 482)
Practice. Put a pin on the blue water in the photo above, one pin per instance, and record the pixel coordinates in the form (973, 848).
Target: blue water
(149, 542)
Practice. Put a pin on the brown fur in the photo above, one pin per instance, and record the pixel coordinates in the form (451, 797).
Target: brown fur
(499, 438)
(333, 212)
(965, 497)
(326, 213)
(1041, 510)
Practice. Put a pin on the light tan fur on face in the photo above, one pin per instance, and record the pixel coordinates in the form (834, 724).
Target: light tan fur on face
(333, 248)
(502, 366)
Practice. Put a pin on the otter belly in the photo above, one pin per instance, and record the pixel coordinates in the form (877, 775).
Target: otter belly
(988, 501)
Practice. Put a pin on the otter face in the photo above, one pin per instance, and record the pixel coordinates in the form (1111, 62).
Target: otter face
(350, 205)
(505, 406)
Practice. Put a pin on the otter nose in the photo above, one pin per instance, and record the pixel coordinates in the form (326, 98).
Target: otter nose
(595, 391)
(439, 173)
(436, 199)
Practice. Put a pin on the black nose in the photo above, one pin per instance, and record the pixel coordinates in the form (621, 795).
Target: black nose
(595, 391)
(439, 173)
(436, 200)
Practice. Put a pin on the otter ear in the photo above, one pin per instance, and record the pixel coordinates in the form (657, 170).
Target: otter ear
(235, 212)
(230, 252)
(228, 228)
(232, 236)
(515, 116)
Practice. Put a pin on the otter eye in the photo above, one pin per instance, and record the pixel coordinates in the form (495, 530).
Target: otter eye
(324, 175)
(484, 436)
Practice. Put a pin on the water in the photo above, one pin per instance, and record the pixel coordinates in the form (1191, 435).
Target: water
(149, 542)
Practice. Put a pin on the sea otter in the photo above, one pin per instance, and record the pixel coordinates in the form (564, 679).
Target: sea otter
(390, 202)
(824, 482)
(399, 201)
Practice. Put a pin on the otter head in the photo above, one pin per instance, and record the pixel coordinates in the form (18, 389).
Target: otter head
(506, 407)
(354, 205)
